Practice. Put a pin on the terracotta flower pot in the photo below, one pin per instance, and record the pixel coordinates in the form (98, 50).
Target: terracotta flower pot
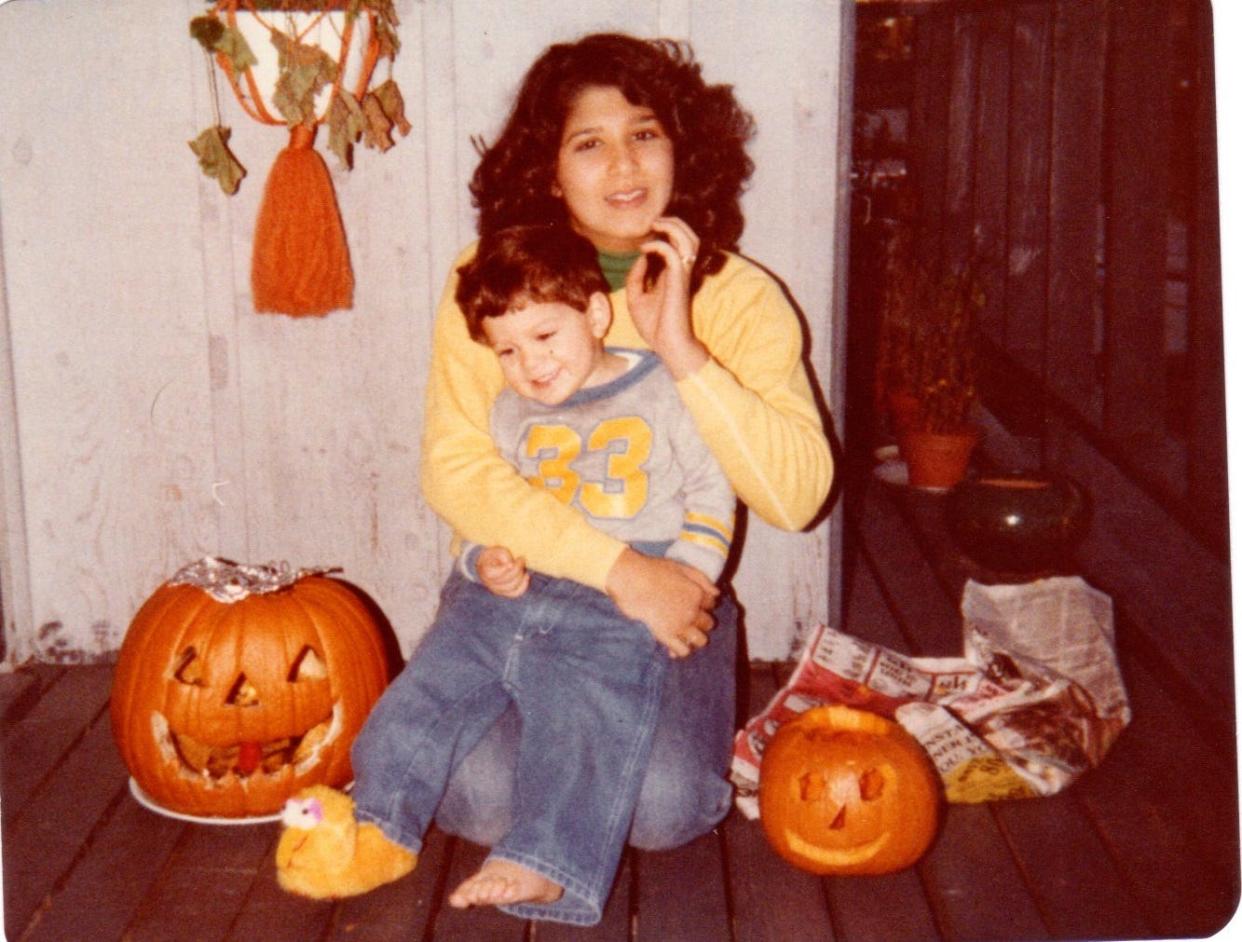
(938, 459)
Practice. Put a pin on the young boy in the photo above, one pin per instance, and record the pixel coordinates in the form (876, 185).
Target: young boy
(604, 430)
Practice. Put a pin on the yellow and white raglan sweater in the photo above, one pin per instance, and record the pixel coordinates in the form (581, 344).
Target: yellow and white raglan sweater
(752, 404)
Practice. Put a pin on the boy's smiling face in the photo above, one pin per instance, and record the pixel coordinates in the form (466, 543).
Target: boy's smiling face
(549, 350)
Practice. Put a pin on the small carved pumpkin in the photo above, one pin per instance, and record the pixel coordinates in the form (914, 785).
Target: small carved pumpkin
(237, 686)
(843, 791)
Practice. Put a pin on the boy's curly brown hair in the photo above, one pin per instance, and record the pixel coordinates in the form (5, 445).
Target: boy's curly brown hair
(524, 265)
(514, 180)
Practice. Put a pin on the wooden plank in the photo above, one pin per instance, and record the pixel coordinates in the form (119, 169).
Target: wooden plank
(16, 613)
(1148, 661)
(1176, 846)
(976, 888)
(782, 579)
(893, 906)
(1080, 893)
(991, 207)
(773, 901)
(1207, 484)
(399, 910)
(1048, 836)
(614, 925)
(37, 743)
(928, 620)
(115, 423)
(1119, 557)
(20, 690)
(1163, 581)
(681, 893)
(959, 220)
(928, 119)
(1134, 813)
(484, 923)
(969, 859)
(890, 907)
(219, 299)
(205, 882)
(1075, 185)
(105, 888)
(46, 837)
(1137, 202)
(1030, 103)
(268, 912)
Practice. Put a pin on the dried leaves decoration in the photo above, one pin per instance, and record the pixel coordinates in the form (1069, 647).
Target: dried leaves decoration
(345, 124)
(304, 71)
(212, 145)
(372, 119)
(214, 36)
(216, 160)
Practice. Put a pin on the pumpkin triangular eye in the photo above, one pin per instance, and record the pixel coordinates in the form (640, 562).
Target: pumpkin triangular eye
(307, 666)
(242, 693)
(189, 668)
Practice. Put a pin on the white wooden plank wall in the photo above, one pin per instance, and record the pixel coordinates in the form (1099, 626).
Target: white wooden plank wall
(150, 417)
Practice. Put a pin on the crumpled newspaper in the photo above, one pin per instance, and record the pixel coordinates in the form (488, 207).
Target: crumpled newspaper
(1036, 699)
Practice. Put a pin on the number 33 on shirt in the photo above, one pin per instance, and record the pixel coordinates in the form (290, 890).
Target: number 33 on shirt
(621, 445)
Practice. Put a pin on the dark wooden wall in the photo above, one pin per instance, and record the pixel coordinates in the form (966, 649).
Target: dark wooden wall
(1066, 149)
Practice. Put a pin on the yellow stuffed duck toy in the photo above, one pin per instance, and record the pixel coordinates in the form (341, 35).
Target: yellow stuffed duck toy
(324, 853)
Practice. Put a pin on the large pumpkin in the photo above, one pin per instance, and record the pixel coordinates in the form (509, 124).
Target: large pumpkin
(239, 685)
(843, 791)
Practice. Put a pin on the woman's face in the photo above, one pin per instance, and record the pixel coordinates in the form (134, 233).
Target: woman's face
(614, 169)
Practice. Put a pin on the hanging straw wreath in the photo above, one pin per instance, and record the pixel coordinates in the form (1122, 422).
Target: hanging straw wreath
(301, 63)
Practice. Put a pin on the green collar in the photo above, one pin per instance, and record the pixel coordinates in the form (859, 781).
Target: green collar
(616, 265)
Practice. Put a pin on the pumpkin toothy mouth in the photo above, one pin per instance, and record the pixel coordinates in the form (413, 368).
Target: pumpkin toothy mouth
(203, 761)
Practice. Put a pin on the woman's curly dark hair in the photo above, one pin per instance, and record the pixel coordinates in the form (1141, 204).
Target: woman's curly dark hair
(514, 180)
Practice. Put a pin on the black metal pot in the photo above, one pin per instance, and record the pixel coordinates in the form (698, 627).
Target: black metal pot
(1018, 521)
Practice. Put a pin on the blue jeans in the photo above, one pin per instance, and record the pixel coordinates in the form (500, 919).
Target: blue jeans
(685, 790)
(585, 683)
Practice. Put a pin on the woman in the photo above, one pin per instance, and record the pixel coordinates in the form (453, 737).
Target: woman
(622, 140)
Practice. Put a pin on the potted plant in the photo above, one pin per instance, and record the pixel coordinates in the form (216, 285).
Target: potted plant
(927, 366)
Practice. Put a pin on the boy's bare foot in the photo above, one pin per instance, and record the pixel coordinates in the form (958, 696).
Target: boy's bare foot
(501, 883)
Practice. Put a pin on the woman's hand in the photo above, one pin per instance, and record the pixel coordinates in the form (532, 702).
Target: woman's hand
(661, 311)
(673, 600)
(500, 573)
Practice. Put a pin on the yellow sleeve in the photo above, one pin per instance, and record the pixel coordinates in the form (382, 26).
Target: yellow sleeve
(468, 483)
(753, 402)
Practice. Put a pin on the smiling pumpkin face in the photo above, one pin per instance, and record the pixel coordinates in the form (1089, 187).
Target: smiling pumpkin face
(843, 791)
(227, 707)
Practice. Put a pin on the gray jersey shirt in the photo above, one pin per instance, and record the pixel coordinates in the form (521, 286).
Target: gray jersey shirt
(627, 454)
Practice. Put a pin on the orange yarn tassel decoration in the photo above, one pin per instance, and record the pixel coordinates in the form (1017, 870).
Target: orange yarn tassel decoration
(300, 264)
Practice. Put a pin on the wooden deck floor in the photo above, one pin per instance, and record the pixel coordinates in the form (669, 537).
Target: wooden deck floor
(1145, 846)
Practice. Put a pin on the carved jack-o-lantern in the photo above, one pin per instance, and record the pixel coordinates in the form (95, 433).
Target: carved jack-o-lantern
(239, 685)
(843, 791)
